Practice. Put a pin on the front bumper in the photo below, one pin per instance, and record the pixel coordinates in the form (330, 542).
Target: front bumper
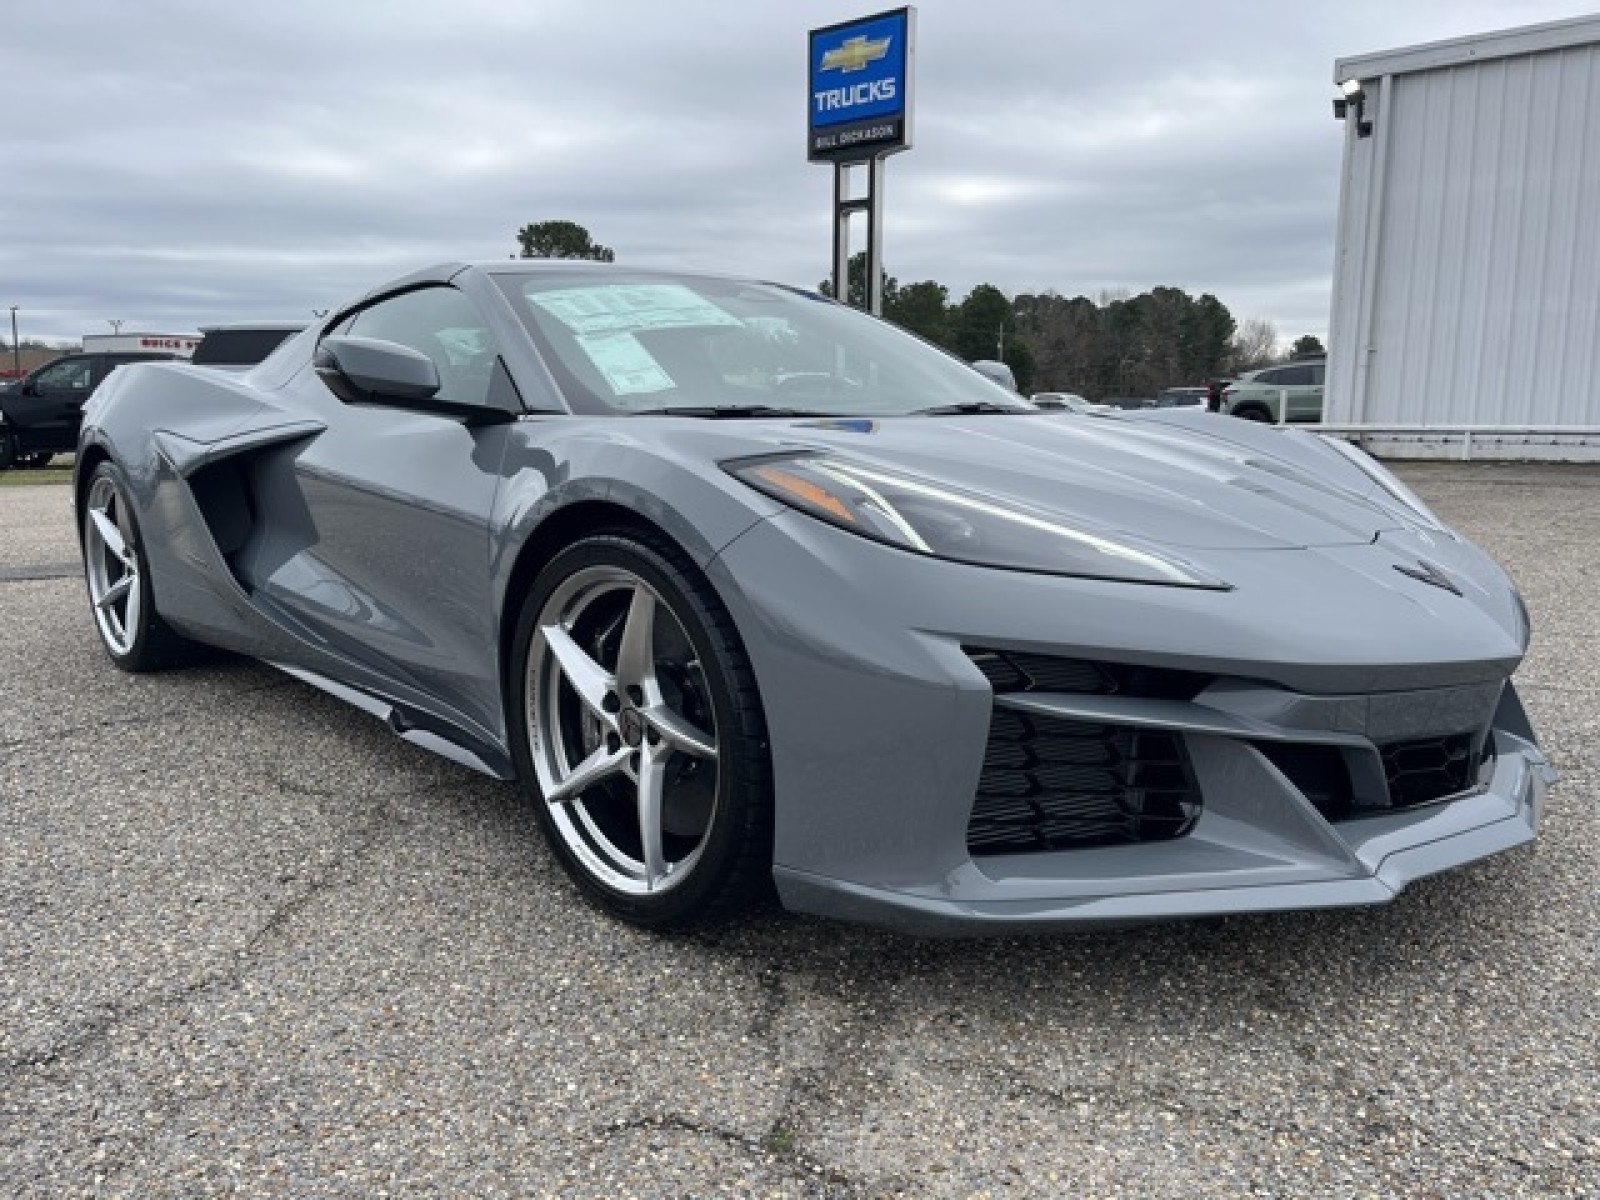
(879, 722)
(1361, 862)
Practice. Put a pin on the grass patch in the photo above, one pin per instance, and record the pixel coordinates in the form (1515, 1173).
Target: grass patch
(781, 1141)
(20, 478)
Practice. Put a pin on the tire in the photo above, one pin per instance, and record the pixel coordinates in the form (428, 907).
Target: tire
(1253, 412)
(117, 573)
(635, 709)
(8, 450)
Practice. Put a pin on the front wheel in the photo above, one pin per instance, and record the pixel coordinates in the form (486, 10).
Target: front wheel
(118, 575)
(637, 715)
(1253, 413)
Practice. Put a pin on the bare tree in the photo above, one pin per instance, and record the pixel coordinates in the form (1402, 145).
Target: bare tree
(1255, 344)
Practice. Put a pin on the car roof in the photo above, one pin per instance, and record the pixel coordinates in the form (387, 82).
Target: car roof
(103, 354)
(444, 272)
(234, 326)
(551, 267)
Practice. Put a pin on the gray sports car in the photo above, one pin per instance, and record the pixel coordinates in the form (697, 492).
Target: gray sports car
(750, 590)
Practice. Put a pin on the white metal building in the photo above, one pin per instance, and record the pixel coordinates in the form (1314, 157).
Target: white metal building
(1466, 290)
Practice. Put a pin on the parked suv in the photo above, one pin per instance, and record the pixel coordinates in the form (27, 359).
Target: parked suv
(40, 413)
(1258, 395)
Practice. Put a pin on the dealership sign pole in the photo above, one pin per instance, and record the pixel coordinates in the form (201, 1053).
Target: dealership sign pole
(859, 105)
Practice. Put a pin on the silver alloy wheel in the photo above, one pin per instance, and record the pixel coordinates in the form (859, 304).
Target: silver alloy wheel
(112, 566)
(622, 731)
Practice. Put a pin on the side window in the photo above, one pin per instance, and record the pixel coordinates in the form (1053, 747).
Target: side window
(1319, 373)
(1287, 377)
(443, 324)
(112, 362)
(70, 375)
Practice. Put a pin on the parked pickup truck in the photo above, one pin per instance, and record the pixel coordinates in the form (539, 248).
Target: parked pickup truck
(41, 412)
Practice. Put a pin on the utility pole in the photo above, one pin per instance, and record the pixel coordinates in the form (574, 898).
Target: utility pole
(1000, 341)
(16, 346)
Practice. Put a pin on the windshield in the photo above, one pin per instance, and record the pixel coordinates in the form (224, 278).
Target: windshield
(624, 343)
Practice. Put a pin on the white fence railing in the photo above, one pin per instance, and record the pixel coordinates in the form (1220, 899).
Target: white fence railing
(1498, 435)
(1501, 436)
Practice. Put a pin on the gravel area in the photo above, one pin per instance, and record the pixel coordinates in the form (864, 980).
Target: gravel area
(250, 943)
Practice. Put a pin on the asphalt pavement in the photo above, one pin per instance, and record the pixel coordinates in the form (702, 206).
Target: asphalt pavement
(251, 943)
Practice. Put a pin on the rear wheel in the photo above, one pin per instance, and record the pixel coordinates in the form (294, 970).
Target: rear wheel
(637, 714)
(118, 576)
(8, 450)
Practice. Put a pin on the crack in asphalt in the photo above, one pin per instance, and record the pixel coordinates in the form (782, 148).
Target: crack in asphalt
(30, 572)
(127, 1008)
(792, 1163)
(835, 1088)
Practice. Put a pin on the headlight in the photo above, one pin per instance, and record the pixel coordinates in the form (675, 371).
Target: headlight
(1389, 482)
(930, 518)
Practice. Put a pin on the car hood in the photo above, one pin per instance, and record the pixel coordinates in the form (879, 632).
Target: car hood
(1179, 479)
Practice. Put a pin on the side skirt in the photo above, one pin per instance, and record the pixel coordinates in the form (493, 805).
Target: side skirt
(420, 729)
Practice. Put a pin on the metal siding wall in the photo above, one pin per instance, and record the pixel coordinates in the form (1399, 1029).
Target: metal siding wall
(1352, 241)
(1486, 304)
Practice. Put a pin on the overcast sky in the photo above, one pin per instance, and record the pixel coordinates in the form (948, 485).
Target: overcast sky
(175, 164)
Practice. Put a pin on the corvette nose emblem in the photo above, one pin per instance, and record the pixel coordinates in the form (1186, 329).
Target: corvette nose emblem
(1426, 572)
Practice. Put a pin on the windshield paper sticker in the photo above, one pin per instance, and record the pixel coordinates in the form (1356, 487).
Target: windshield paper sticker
(630, 308)
(626, 365)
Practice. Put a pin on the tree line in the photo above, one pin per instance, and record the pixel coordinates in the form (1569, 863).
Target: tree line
(1118, 344)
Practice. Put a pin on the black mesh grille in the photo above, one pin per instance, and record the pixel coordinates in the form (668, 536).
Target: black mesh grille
(1416, 772)
(1428, 769)
(1054, 784)
(1014, 671)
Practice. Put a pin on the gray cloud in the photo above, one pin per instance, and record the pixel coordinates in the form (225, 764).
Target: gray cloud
(173, 164)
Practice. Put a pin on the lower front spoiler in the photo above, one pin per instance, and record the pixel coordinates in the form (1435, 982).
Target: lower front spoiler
(1384, 856)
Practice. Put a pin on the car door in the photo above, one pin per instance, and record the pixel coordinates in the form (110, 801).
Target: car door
(50, 408)
(1310, 402)
(1305, 392)
(383, 517)
(1292, 386)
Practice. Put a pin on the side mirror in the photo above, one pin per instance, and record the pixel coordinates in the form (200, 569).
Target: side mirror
(995, 372)
(362, 370)
(29, 388)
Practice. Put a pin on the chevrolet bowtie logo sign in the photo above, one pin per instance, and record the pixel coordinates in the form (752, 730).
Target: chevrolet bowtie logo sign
(858, 87)
(854, 54)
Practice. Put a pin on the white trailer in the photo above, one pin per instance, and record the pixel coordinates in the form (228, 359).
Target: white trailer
(1466, 289)
(181, 344)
